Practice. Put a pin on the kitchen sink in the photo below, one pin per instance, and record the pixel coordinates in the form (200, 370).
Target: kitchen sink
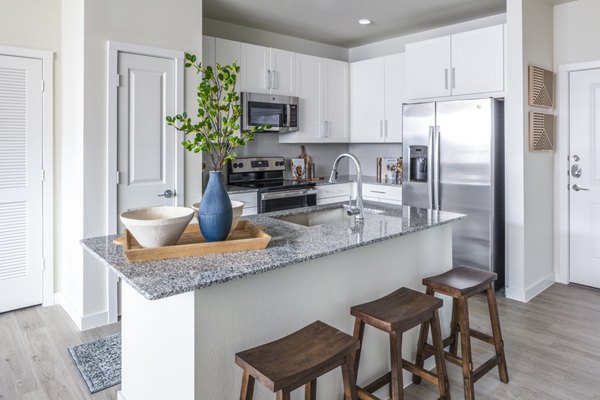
(324, 217)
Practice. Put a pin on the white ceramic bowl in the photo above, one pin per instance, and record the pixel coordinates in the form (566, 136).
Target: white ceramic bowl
(157, 226)
(238, 209)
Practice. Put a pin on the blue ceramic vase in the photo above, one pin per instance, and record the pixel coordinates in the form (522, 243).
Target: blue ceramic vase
(215, 213)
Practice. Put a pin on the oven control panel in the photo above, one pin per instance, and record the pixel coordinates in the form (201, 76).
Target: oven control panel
(255, 164)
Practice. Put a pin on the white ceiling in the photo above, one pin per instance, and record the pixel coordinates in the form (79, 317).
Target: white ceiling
(335, 21)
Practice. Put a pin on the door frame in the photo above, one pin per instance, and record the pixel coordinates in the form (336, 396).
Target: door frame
(561, 165)
(47, 173)
(114, 48)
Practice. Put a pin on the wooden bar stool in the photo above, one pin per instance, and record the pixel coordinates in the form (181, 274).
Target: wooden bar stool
(299, 359)
(461, 283)
(395, 314)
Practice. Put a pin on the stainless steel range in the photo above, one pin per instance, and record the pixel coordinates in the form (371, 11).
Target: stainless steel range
(274, 192)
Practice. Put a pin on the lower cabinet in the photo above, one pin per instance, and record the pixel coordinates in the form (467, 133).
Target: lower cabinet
(383, 193)
(327, 194)
(250, 202)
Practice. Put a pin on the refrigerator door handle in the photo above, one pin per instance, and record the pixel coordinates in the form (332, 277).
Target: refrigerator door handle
(436, 168)
(430, 163)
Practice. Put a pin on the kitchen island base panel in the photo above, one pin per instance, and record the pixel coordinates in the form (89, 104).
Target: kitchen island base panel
(183, 347)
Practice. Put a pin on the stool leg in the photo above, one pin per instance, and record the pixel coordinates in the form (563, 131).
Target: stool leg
(396, 355)
(349, 377)
(283, 394)
(465, 341)
(247, 392)
(440, 361)
(497, 333)
(454, 327)
(310, 390)
(359, 333)
(423, 333)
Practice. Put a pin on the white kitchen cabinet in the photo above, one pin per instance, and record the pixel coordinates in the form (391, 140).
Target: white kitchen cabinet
(377, 94)
(208, 51)
(327, 194)
(367, 101)
(383, 193)
(322, 87)
(266, 70)
(478, 61)
(250, 200)
(466, 63)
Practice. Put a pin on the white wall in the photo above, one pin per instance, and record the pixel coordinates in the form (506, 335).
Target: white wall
(226, 30)
(87, 27)
(529, 176)
(577, 32)
(36, 25)
(397, 44)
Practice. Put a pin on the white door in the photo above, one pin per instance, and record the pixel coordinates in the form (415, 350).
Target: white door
(21, 249)
(283, 72)
(394, 97)
(367, 101)
(428, 68)
(584, 159)
(255, 68)
(148, 149)
(335, 101)
(478, 61)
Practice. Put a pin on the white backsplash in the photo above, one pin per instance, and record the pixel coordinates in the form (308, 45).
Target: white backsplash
(367, 153)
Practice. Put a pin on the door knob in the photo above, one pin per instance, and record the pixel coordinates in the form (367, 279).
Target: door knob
(577, 188)
(168, 194)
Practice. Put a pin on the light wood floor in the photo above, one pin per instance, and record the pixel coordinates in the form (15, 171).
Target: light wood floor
(552, 345)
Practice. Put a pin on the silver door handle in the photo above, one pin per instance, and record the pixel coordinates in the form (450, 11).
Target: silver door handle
(385, 128)
(268, 80)
(167, 194)
(577, 188)
(380, 128)
(453, 78)
(436, 168)
(273, 79)
(430, 182)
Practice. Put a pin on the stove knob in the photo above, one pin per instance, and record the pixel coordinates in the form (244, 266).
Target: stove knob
(241, 165)
(235, 165)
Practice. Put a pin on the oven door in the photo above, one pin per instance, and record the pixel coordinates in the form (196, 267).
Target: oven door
(286, 200)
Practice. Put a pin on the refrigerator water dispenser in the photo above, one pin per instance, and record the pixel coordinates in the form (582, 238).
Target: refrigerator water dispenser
(418, 164)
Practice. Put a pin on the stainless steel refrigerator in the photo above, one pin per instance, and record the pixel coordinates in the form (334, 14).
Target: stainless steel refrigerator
(453, 160)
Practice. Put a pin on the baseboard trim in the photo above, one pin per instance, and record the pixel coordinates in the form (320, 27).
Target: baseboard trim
(561, 278)
(66, 304)
(83, 322)
(526, 295)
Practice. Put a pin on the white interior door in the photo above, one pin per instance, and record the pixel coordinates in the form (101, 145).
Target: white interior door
(584, 179)
(21, 268)
(148, 149)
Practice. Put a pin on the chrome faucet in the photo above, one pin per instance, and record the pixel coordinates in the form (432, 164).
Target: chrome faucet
(358, 209)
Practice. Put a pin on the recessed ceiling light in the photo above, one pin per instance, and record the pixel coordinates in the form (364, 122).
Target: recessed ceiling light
(364, 21)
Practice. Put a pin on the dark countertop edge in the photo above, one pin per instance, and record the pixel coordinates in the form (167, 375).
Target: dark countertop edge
(271, 267)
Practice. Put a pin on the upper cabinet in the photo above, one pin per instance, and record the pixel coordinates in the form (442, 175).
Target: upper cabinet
(377, 94)
(322, 87)
(465, 63)
(266, 70)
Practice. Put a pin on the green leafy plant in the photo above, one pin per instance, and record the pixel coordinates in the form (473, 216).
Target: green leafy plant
(218, 115)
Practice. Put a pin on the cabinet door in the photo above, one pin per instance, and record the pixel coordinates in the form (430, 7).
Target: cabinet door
(428, 68)
(367, 101)
(208, 51)
(309, 84)
(255, 65)
(283, 72)
(227, 52)
(394, 97)
(335, 100)
(478, 61)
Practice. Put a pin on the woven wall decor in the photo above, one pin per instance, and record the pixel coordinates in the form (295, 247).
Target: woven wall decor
(541, 87)
(541, 132)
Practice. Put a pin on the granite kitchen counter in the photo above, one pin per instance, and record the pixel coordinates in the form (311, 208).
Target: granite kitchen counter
(290, 244)
(371, 180)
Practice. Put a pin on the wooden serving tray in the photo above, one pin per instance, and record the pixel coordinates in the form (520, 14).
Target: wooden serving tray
(246, 236)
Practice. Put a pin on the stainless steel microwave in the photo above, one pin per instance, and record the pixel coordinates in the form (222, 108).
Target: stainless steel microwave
(281, 112)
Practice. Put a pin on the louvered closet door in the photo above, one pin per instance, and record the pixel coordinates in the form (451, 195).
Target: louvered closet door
(20, 182)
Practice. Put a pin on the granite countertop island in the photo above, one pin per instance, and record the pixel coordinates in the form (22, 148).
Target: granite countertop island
(183, 320)
(290, 244)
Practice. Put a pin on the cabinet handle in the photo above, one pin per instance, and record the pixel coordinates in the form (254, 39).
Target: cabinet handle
(326, 131)
(377, 191)
(453, 78)
(385, 128)
(273, 86)
(268, 80)
(380, 128)
(446, 78)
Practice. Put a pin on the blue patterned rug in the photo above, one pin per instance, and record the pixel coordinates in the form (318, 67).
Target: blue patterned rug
(99, 362)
